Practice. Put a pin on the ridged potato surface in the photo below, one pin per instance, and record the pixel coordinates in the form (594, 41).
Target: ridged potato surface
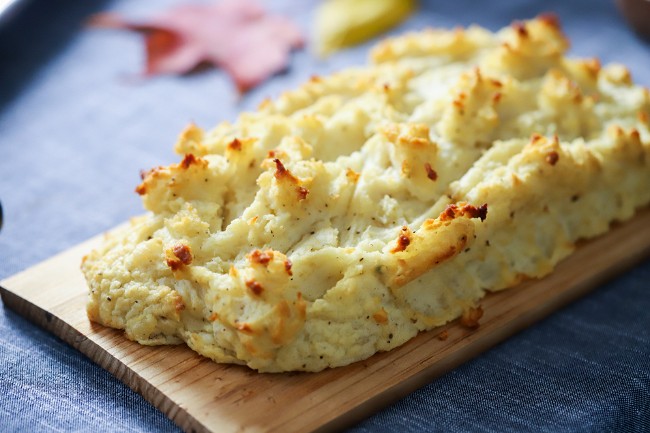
(362, 208)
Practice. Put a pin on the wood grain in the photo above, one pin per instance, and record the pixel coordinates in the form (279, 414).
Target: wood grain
(201, 396)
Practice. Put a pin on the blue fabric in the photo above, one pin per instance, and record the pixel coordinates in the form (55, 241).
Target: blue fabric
(77, 125)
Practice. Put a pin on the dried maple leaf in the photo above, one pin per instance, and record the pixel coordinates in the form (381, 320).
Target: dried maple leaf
(235, 35)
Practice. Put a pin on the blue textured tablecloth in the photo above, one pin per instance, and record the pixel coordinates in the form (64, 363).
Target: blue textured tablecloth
(77, 125)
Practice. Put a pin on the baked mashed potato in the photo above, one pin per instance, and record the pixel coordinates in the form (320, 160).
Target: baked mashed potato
(362, 208)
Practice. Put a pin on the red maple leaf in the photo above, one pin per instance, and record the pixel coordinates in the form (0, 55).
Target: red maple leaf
(235, 35)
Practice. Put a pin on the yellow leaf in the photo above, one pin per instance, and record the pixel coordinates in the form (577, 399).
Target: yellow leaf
(342, 23)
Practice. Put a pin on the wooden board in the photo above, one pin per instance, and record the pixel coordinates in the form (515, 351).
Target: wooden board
(202, 396)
